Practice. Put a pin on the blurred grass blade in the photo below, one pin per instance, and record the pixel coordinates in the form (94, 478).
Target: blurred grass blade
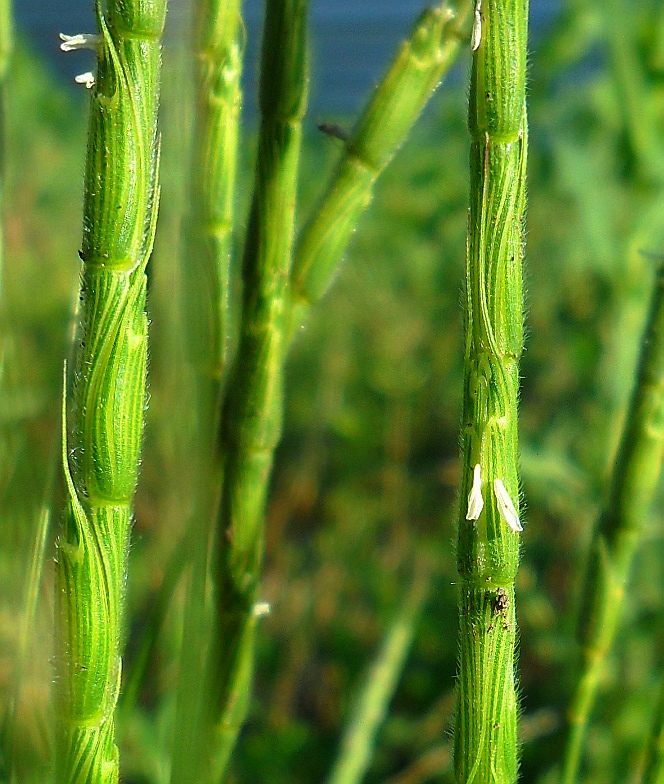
(642, 134)
(6, 46)
(152, 625)
(633, 481)
(101, 447)
(251, 421)
(26, 635)
(218, 49)
(653, 768)
(485, 738)
(410, 81)
(381, 681)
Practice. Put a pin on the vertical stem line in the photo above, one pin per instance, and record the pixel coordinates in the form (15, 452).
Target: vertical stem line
(251, 421)
(218, 49)
(621, 524)
(418, 68)
(373, 699)
(102, 434)
(6, 46)
(489, 525)
(653, 767)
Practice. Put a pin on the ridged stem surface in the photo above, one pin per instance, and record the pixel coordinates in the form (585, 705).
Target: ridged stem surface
(485, 743)
(218, 41)
(251, 420)
(620, 527)
(102, 439)
(420, 64)
(218, 46)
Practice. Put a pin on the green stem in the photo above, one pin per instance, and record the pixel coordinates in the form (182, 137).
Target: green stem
(218, 46)
(631, 93)
(421, 63)
(101, 448)
(653, 769)
(28, 625)
(620, 527)
(373, 700)
(488, 540)
(6, 46)
(251, 423)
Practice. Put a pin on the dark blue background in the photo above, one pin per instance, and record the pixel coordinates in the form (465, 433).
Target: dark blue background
(352, 40)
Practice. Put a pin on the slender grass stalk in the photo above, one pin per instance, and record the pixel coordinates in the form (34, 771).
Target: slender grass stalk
(218, 48)
(251, 422)
(641, 130)
(6, 46)
(653, 768)
(488, 539)
(101, 447)
(373, 700)
(619, 529)
(145, 650)
(26, 636)
(218, 42)
(421, 63)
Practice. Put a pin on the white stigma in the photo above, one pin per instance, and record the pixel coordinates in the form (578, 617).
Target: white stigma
(71, 43)
(506, 507)
(475, 500)
(87, 78)
(476, 35)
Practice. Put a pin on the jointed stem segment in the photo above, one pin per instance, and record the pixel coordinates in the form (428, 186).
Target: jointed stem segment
(488, 544)
(101, 452)
(218, 46)
(251, 420)
(411, 79)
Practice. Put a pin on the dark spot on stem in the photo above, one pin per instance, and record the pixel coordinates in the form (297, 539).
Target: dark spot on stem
(500, 601)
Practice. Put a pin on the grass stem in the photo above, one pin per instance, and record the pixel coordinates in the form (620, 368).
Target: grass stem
(218, 47)
(420, 65)
(251, 420)
(373, 700)
(102, 434)
(489, 522)
(620, 527)
(653, 768)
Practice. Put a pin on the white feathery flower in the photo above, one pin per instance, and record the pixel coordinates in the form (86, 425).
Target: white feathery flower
(87, 78)
(506, 507)
(475, 500)
(71, 43)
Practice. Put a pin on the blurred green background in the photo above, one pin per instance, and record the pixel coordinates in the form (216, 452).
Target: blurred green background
(364, 492)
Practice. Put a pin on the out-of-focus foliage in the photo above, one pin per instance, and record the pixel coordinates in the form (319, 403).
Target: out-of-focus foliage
(364, 487)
